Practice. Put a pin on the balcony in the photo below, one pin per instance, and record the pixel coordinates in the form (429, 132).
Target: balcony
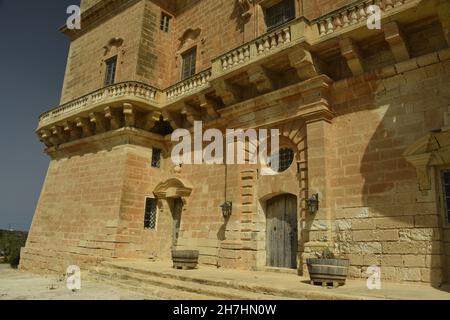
(280, 59)
(135, 92)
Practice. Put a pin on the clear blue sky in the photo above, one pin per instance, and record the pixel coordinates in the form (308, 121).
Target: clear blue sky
(32, 62)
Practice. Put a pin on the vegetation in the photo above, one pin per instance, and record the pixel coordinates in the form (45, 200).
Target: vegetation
(10, 244)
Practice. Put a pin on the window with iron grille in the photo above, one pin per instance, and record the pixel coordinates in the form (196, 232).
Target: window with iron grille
(165, 22)
(189, 62)
(446, 194)
(110, 76)
(282, 160)
(156, 158)
(280, 13)
(151, 209)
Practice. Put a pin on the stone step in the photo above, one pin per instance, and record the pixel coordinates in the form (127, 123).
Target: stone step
(264, 290)
(159, 283)
(136, 285)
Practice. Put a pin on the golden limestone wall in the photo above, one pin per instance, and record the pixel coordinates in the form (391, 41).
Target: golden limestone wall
(77, 216)
(85, 71)
(381, 217)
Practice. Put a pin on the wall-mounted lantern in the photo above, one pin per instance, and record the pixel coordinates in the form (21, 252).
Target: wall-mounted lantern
(227, 209)
(313, 203)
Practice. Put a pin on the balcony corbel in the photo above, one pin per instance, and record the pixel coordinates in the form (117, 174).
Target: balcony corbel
(229, 93)
(303, 61)
(150, 119)
(113, 115)
(174, 119)
(72, 130)
(397, 41)
(262, 78)
(101, 123)
(351, 52)
(129, 113)
(59, 132)
(209, 105)
(85, 125)
(191, 114)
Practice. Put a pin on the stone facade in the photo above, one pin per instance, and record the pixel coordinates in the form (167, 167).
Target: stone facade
(361, 109)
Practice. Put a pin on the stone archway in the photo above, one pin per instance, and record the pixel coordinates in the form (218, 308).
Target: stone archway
(174, 192)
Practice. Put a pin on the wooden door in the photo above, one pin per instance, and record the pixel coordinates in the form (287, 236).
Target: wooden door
(177, 209)
(282, 232)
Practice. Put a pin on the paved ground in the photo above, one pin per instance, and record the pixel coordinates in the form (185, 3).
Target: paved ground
(15, 285)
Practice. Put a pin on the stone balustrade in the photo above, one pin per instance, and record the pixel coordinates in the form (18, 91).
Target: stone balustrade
(187, 86)
(252, 50)
(356, 13)
(131, 89)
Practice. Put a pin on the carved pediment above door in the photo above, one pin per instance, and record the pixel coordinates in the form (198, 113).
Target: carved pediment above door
(430, 151)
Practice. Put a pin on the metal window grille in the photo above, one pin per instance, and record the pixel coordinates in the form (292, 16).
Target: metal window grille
(283, 159)
(446, 193)
(110, 76)
(165, 22)
(151, 209)
(156, 158)
(189, 64)
(280, 13)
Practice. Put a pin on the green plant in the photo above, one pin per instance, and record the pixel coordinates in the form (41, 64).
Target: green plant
(327, 254)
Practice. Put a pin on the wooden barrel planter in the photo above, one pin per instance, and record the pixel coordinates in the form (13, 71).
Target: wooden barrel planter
(186, 260)
(328, 271)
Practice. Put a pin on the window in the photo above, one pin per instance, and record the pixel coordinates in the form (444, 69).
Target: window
(446, 194)
(189, 61)
(165, 22)
(156, 158)
(110, 76)
(151, 208)
(284, 158)
(280, 13)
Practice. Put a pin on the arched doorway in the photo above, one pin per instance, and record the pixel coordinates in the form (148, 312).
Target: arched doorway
(282, 231)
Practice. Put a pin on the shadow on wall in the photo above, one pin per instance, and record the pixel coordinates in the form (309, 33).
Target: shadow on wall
(393, 225)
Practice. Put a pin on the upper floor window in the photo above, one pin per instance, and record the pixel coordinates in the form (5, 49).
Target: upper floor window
(445, 177)
(165, 22)
(111, 65)
(156, 158)
(280, 13)
(189, 62)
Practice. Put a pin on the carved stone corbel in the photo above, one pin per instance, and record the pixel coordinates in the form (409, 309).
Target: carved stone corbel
(114, 118)
(130, 115)
(227, 92)
(73, 131)
(303, 61)
(150, 119)
(394, 36)
(191, 114)
(101, 123)
(209, 105)
(85, 125)
(261, 78)
(351, 52)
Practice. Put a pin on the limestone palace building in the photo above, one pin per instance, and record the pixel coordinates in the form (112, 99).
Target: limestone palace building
(363, 112)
